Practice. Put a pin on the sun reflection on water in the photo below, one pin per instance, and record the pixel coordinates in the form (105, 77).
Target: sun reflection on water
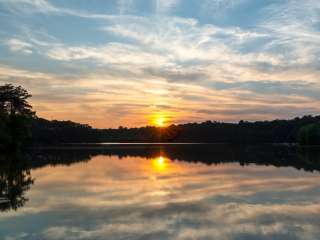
(160, 164)
(164, 192)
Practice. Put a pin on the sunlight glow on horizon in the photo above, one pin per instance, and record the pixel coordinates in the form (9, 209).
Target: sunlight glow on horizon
(159, 120)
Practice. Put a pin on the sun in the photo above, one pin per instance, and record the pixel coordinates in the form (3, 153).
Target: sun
(159, 120)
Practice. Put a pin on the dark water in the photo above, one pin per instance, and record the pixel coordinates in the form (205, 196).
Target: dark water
(161, 192)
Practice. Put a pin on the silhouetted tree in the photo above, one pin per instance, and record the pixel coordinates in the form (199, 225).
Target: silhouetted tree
(15, 116)
(15, 180)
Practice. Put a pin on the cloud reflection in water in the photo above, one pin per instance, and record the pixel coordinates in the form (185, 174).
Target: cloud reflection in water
(139, 198)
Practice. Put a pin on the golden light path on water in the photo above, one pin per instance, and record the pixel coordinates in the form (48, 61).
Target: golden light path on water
(160, 164)
(138, 198)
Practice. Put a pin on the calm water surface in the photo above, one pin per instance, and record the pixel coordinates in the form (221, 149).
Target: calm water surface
(159, 193)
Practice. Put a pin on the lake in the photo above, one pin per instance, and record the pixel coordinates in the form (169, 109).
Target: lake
(158, 191)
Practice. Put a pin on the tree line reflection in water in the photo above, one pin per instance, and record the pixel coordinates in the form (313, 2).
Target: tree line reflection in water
(16, 178)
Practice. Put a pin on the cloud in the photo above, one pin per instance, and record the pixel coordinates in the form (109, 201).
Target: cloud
(176, 75)
(17, 45)
(223, 201)
(29, 6)
(297, 88)
(7, 73)
(113, 53)
(167, 55)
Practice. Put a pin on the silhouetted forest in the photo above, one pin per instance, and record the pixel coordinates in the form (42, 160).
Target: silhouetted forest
(306, 130)
(19, 125)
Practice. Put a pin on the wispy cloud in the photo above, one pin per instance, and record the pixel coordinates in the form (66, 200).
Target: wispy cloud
(168, 55)
(29, 6)
(17, 45)
(113, 53)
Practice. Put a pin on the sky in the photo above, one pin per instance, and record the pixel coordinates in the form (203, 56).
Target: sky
(127, 62)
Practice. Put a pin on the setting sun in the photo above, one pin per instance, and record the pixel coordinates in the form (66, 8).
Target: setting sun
(159, 120)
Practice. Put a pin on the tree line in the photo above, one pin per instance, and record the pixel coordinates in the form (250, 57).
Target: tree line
(20, 125)
(304, 130)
